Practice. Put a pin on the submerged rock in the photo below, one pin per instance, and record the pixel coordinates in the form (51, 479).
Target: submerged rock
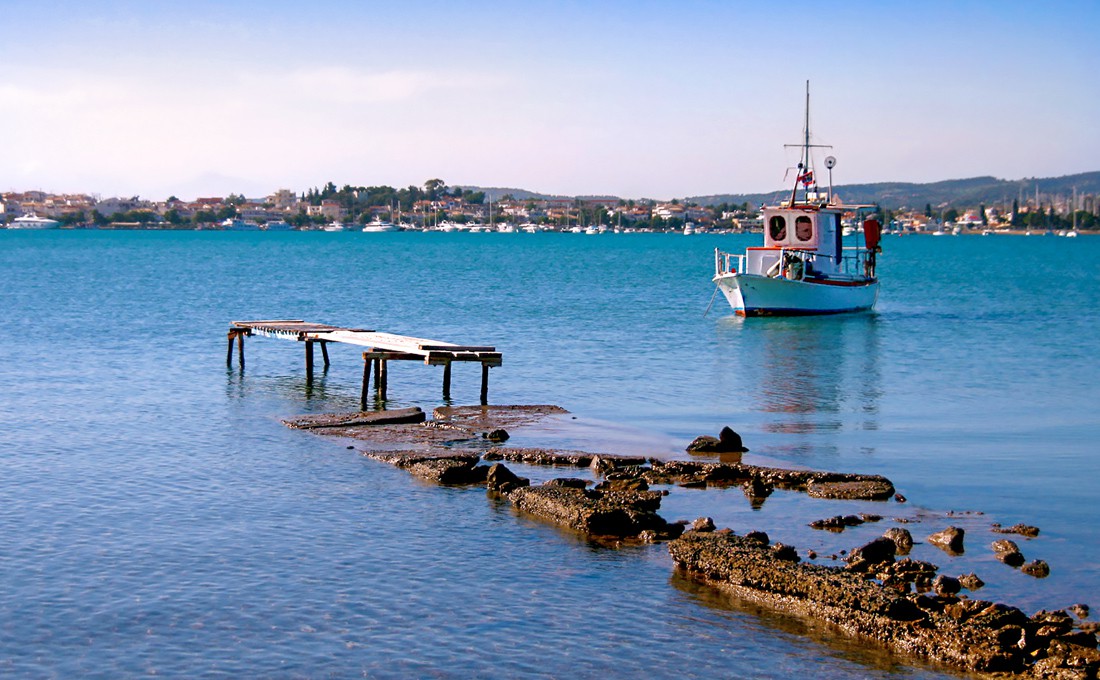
(946, 585)
(876, 552)
(500, 479)
(950, 540)
(727, 441)
(837, 523)
(1036, 568)
(703, 524)
(869, 489)
(567, 482)
(540, 456)
(453, 470)
(1008, 552)
(971, 581)
(1020, 529)
(756, 490)
(901, 538)
(600, 513)
(412, 414)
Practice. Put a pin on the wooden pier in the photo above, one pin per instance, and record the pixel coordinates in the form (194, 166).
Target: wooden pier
(381, 349)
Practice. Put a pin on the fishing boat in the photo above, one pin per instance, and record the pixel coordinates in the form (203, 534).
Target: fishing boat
(32, 221)
(803, 267)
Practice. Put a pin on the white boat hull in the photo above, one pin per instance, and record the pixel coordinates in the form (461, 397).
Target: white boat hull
(755, 295)
(36, 223)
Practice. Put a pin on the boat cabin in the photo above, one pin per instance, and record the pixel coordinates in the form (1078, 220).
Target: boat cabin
(804, 227)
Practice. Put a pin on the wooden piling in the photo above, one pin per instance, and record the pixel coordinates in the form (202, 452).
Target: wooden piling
(240, 347)
(229, 352)
(324, 352)
(484, 384)
(366, 383)
(447, 380)
(309, 359)
(385, 371)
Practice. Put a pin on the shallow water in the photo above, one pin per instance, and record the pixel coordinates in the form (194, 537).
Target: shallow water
(159, 519)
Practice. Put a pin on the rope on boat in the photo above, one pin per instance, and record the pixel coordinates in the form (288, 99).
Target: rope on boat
(712, 296)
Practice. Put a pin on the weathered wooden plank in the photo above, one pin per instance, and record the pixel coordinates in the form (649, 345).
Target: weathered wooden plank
(392, 356)
(447, 347)
(266, 321)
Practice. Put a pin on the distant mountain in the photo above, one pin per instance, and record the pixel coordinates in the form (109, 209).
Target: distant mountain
(954, 193)
(957, 193)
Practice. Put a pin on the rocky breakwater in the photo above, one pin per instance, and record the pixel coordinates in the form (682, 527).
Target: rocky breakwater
(756, 478)
(902, 604)
(974, 635)
(618, 514)
(599, 513)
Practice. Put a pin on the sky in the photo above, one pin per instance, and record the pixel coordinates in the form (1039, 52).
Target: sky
(637, 99)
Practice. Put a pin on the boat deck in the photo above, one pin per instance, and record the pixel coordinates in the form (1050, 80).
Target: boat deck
(380, 349)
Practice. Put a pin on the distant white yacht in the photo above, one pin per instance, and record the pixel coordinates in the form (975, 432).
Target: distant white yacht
(335, 226)
(380, 226)
(32, 221)
(233, 224)
(279, 225)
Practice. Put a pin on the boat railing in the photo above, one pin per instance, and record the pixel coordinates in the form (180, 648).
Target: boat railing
(728, 263)
(857, 262)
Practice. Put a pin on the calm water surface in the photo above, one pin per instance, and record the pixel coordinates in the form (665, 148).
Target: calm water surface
(158, 519)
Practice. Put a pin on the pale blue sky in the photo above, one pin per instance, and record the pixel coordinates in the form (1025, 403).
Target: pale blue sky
(638, 99)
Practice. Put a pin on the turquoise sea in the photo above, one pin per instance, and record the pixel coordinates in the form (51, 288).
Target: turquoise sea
(158, 519)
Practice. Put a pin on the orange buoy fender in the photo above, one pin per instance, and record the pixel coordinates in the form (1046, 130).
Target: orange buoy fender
(872, 231)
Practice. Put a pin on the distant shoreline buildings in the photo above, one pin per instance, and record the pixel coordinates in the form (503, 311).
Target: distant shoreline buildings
(437, 206)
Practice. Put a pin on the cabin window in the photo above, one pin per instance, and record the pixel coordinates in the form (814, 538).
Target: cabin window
(777, 228)
(804, 228)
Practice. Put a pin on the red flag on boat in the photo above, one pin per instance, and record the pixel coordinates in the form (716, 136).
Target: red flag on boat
(807, 178)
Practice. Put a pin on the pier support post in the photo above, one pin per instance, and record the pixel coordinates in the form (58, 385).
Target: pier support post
(366, 383)
(240, 347)
(229, 352)
(447, 380)
(309, 359)
(484, 384)
(385, 376)
(324, 352)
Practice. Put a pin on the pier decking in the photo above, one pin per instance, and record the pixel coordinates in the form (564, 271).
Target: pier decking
(381, 349)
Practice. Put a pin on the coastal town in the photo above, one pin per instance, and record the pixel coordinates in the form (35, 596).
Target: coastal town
(438, 207)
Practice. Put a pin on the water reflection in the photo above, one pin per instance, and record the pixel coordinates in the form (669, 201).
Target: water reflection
(811, 375)
(305, 392)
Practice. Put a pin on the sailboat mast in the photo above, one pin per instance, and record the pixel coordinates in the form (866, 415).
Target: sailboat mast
(806, 133)
(804, 161)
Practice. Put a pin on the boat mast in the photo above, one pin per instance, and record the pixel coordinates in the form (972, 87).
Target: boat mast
(805, 171)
